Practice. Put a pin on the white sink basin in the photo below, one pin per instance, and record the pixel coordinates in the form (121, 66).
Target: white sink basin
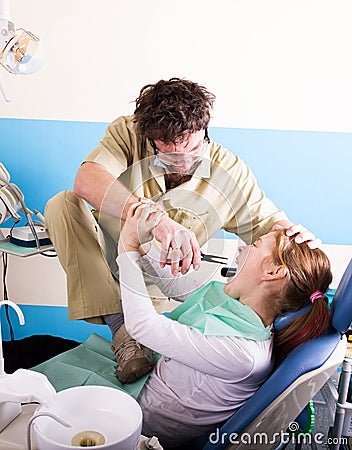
(100, 417)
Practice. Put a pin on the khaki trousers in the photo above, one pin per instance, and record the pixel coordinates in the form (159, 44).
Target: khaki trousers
(87, 251)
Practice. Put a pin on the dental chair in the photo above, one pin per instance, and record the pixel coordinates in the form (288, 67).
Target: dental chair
(266, 420)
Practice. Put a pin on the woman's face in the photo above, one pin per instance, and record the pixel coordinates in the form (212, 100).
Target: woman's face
(250, 266)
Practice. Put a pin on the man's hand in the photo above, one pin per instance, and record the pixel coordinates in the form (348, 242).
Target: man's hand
(302, 234)
(180, 243)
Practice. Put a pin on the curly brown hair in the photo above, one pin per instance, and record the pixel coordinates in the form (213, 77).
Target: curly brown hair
(171, 110)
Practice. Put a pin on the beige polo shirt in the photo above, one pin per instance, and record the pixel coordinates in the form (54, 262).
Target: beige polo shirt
(222, 193)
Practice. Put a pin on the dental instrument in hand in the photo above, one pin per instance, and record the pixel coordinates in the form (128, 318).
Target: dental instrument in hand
(213, 258)
(208, 258)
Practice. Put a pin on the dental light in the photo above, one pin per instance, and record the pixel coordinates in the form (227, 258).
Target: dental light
(16, 46)
(11, 202)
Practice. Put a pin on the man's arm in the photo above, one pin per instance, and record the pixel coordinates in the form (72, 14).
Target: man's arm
(100, 189)
(303, 235)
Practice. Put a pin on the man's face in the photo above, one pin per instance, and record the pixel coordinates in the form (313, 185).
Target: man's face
(184, 156)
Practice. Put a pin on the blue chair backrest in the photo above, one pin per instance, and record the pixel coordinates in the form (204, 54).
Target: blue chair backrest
(341, 307)
(305, 358)
(308, 356)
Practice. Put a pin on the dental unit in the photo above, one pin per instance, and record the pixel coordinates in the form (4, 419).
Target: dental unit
(23, 386)
(82, 416)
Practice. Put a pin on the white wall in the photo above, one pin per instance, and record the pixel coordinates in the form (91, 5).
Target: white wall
(274, 64)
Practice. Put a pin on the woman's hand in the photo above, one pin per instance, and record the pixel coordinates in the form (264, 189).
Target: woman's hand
(138, 229)
(145, 221)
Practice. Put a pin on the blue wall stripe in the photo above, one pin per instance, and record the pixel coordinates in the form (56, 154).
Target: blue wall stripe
(43, 156)
(305, 173)
(308, 174)
(49, 320)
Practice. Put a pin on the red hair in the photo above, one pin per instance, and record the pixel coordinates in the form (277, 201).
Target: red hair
(307, 270)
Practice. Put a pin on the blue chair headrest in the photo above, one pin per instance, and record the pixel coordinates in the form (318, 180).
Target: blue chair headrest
(341, 306)
(286, 318)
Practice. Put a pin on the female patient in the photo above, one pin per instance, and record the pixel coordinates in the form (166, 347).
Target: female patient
(214, 359)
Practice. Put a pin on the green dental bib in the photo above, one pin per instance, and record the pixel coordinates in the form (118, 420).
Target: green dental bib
(214, 313)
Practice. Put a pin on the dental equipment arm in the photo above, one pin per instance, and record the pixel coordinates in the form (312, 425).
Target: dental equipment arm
(12, 200)
(21, 320)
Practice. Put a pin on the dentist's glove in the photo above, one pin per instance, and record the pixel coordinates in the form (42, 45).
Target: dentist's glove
(178, 243)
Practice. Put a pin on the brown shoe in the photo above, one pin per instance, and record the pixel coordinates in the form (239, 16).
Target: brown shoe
(133, 359)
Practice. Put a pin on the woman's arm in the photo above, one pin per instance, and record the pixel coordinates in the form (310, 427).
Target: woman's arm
(177, 287)
(211, 355)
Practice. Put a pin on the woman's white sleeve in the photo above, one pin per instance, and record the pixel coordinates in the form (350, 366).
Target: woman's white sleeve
(163, 335)
(178, 287)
